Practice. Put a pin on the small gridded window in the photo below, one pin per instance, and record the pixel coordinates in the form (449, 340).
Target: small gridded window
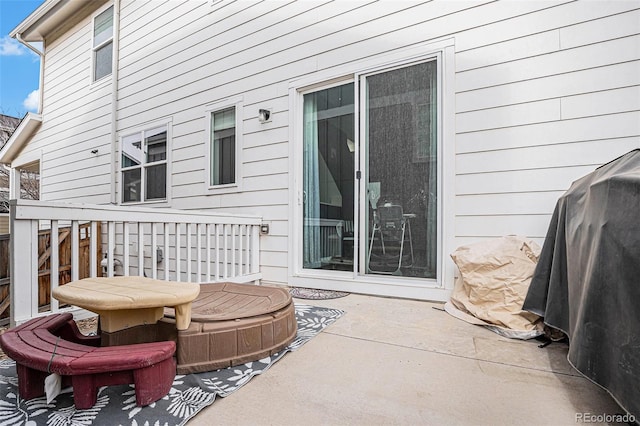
(144, 166)
(223, 147)
(103, 44)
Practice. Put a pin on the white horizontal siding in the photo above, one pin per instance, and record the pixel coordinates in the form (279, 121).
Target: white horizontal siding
(568, 84)
(507, 51)
(84, 194)
(520, 203)
(538, 111)
(517, 181)
(538, 157)
(612, 126)
(534, 226)
(626, 99)
(541, 17)
(603, 28)
(509, 116)
(545, 91)
(564, 61)
(76, 121)
(277, 275)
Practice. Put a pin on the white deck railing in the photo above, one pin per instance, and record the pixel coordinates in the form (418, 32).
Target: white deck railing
(178, 245)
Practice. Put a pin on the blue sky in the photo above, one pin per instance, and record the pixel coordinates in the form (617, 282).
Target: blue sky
(19, 66)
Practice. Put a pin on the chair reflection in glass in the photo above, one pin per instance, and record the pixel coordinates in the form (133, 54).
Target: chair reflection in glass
(392, 228)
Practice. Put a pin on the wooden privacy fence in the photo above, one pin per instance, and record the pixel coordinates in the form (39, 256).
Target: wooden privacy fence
(44, 262)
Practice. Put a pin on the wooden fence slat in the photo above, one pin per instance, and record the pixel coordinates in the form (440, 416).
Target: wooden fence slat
(47, 253)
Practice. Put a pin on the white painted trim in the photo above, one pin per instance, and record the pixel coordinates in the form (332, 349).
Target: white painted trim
(446, 165)
(113, 140)
(54, 210)
(20, 137)
(238, 103)
(14, 184)
(37, 17)
(295, 188)
(27, 158)
(23, 160)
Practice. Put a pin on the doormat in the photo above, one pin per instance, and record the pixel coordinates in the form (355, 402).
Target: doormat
(116, 405)
(316, 294)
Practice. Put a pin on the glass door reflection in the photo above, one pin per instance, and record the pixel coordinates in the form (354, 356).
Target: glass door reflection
(400, 211)
(328, 173)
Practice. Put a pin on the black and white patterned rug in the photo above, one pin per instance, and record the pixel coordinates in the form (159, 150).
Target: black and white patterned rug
(116, 405)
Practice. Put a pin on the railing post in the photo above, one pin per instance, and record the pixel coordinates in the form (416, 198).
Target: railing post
(255, 249)
(54, 263)
(24, 274)
(75, 251)
(125, 248)
(241, 228)
(166, 251)
(188, 247)
(233, 250)
(225, 246)
(93, 249)
(154, 250)
(111, 245)
(199, 253)
(140, 249)
(217, 256)
(208, 244)
(178, 243)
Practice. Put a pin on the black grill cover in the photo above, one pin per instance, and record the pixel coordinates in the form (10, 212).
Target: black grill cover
(587, 281)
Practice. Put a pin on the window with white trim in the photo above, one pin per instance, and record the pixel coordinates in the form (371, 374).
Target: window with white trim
(103, 44)
(224, 128)
(223, 147)
(144, 165)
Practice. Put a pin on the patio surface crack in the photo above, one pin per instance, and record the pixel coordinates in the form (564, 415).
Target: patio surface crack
(452, 355)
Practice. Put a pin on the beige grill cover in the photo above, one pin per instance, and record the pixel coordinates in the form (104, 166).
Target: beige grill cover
(493, 282)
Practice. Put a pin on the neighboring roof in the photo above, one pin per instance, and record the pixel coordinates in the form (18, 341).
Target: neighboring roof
(49, 16)
(20, 137)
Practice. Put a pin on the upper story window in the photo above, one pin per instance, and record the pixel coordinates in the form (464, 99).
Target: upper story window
(144, 165)
(223, 151)
(103, 44)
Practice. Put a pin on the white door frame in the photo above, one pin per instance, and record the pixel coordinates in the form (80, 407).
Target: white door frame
(425, 289)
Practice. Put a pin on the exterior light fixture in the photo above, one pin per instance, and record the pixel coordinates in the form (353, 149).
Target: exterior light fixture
(264, 115)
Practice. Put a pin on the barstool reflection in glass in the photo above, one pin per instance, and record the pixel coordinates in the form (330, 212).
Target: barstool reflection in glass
(392, 230)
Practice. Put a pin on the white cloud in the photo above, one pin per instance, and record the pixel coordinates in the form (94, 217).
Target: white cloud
(32, 101)
(11, 47)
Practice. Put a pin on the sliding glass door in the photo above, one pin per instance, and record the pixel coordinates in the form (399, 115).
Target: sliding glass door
(388, 181)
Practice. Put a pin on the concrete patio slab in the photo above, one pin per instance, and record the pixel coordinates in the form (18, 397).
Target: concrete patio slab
(392, 361)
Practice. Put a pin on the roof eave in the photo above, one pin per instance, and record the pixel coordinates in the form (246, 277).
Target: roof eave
(46, 18)
(23, 133)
